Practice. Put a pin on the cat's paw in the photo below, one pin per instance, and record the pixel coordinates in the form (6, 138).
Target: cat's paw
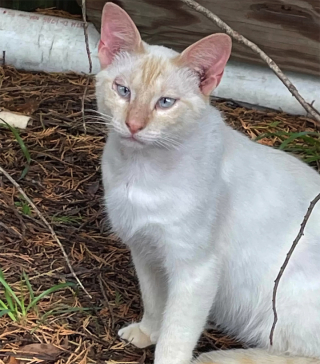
(138, 336)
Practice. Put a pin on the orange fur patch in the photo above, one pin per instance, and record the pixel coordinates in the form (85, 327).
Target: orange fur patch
(151, 70)
(144, 81)
(138, 112)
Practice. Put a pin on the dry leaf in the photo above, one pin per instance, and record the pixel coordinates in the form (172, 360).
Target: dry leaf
(46, 352)
(29, 107)
(13, 360)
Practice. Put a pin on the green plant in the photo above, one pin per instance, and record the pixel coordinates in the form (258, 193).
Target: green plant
(24, 206)
(118, 299)
(306, 143)
(16, 307)
(23, 147)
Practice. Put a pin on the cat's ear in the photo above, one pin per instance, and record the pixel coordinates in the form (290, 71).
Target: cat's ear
(208, 57)
(118, 33)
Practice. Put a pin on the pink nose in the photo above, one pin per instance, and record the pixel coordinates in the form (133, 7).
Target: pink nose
(134, 126)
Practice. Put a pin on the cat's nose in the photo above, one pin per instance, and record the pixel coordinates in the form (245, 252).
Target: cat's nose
(134, 126)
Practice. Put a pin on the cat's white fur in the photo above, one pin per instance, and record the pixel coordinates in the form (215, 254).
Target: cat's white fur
(209, 217)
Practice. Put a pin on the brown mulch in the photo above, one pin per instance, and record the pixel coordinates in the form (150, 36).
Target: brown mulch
(64, 181)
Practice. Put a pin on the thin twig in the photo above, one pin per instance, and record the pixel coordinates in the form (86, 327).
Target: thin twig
(3, 58)
(101, 283)
(86, 38)
(274, 67)
(40, 215)
(82, 105)
(85, 30)
(284, 265)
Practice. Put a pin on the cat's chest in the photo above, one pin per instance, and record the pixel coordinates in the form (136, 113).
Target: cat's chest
(134, 205)
(131, 197)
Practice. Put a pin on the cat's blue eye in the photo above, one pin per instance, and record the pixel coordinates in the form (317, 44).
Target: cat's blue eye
(123, 91)
(166, 102)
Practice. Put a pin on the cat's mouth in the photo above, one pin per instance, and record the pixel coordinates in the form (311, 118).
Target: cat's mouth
(131, 140)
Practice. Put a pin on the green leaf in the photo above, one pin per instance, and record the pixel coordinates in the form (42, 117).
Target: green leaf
(118, 298)
(9, 301)
(11, 315)
(26, 209)
(312, 159)
(23, 307)
(268, 135)
(28, 284)
(8, 289)
(4, 312)
(295, 136)
(23, 147)
(48, 292)
(25, 171)
(274, 124)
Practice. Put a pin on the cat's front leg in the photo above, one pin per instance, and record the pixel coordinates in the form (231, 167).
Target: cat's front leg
(153, 289)
(191, 292)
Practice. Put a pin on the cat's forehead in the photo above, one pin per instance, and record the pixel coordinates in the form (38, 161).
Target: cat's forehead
(148, 66)
(149, 73)
(153, 66)
(159, 51)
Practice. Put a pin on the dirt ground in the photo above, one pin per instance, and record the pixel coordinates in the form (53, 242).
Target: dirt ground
(64, 182)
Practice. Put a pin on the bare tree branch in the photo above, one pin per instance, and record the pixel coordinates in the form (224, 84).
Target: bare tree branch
(85, 30)
(40, 215)
(86, 38)
(241, 39)
(102, 283)
(83, 99)
(284, 265)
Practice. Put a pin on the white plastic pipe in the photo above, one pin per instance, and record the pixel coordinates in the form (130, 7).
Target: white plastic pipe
(258, 85)
(36, 42)
(44, 43)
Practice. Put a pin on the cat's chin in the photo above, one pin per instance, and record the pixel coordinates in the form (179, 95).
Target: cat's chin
(132, 142)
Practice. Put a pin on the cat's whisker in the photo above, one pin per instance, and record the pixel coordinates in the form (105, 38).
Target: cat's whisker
(99, 118)
(171, 139)
(98, 123)
(100, 113)
(95, 120)
(167, 140)
(102, 121)
(160, 142)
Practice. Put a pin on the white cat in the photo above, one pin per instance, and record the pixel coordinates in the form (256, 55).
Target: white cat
(208, 214)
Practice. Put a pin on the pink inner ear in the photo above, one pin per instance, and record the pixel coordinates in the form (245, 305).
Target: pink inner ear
(118, 33)
(208, 57)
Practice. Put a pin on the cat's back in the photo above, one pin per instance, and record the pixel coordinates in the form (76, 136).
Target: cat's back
(257, 172)
(270, 192)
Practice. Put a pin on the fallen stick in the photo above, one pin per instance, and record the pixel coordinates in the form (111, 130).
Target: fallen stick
(284, 265)
(54, 235)
(86, 39)
(274, 67)
(85, 30)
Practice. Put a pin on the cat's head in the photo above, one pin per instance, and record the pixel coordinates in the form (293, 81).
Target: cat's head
(154, 94)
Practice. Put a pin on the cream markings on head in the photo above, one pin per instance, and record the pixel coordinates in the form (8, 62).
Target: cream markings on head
(151, 70)
(145, 85)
